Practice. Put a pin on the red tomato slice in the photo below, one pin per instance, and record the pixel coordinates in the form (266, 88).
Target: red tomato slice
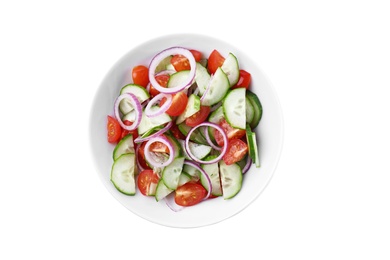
(178, 105)
(232, 133)
(244, 80)
(159, 147)
(145, 179)
(215, 60)
(162, 80)
(190, 194)
(180, 62)
(236, 150)
(140, 75)
(176, 132)
(197, 55)
(198, 117)
(114, 130)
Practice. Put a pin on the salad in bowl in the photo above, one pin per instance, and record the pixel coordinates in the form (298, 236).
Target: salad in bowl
(179, 130)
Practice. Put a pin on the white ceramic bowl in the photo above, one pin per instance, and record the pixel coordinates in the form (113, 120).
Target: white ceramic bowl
(269, 131)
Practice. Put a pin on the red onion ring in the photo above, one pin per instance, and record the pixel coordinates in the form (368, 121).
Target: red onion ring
(137, 107)
(139, 139)
(223, 150)
(209, 141)
(170, 201)
(247, 165)
(162, 55)
(196, 166)
(163, 108)
(148, 155)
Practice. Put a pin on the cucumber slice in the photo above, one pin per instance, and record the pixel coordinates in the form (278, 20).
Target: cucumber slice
(231, 69)
(257, 108)
(122, 174)
(200, 151)
(140, 92)
(216, 116)
(231, 179)
(252, 145)
(196, 136)
(178, 78)
(193, 106)
(129, 116)
(162, 190)
(126, 145)
(219, 86)
(249, 110)
(212, 171)
(202, 78)
(163, 64)
(193, 172)
(171, 173)
(234, 108)
(147, 123)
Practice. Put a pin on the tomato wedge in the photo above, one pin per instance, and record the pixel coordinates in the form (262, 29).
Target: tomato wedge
(159, 147)
(197, 55)
(232, 133)
(180, 62)
(236, 150)
(147, 180)
(162, 80)
(244, 80)
(198, 117)
(140, 75)
(178, 105)
(190, 194)
(215, 61)
(114, 130)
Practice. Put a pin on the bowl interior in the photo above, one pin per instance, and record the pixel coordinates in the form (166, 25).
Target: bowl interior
(269, 134)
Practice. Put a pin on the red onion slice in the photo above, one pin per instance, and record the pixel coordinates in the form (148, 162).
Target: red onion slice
(223, 149)
(196, 166)
(139, 139)
(162, 55)
(137, 107)
(209, 141)
(247, 165)
(163, 108)
(149, 156)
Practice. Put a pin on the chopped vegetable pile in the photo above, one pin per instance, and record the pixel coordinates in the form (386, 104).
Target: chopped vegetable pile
(184, 128)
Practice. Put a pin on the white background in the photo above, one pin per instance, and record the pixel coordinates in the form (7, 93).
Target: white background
(329, 62)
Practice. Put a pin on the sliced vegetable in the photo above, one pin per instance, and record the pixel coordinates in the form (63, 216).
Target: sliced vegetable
(234, 108)
(147, 182)
(231, 179)
(257, 107)
(137, 108)
(231, 69)
(161, 56)
(126, 145)
(122, 174)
